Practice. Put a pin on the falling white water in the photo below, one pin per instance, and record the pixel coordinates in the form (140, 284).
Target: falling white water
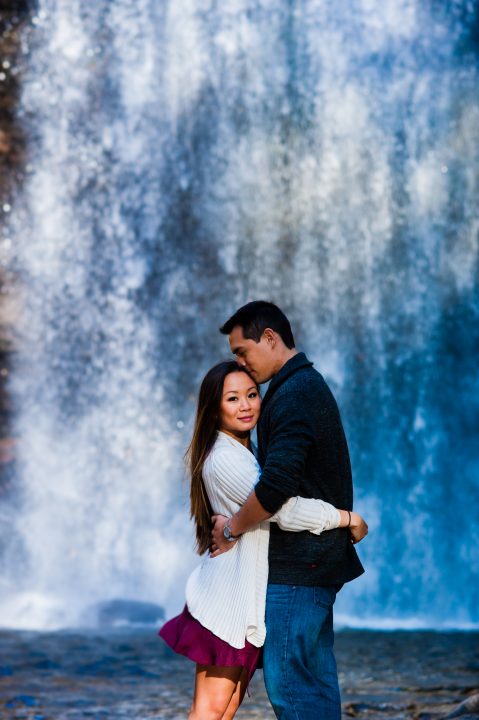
(186, 157)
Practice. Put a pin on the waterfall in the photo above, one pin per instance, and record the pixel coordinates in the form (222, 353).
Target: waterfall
(187, 156)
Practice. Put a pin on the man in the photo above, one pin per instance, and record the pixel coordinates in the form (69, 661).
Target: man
(302, 450)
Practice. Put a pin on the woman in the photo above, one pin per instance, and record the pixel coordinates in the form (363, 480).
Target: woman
(222, 626)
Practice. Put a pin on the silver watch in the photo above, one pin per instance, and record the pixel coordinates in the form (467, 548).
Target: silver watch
(228, 534)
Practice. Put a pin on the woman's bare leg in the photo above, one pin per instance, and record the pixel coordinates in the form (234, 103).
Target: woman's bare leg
(238, 695)
(214, 691)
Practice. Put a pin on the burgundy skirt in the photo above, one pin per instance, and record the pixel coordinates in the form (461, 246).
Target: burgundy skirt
(186, 636)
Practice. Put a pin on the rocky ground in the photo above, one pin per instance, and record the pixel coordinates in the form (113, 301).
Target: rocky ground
(67, 676)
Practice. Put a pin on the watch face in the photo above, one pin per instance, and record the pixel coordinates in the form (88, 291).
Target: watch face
(227, 532)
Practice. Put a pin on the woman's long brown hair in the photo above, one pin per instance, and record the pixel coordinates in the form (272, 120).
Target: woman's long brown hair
(204, 436)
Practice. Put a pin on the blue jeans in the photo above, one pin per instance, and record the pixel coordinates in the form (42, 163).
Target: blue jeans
(299, 665)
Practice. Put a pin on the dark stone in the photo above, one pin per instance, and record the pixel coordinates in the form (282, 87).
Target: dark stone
(104, 667)
(115, 613)
(22, 701)
(470, 706)
(46, 665)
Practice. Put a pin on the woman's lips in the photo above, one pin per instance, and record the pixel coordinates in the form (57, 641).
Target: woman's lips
(248, 418)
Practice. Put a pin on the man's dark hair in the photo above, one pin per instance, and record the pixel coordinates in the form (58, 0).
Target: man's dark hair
(255, 317)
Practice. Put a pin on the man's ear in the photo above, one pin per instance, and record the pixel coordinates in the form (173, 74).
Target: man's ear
(270, 337)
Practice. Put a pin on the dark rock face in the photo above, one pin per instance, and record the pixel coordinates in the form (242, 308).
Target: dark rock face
(14, 15)
(13, 18)
(12, 10)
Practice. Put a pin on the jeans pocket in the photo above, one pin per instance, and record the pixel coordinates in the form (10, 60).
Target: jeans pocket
(324, 597)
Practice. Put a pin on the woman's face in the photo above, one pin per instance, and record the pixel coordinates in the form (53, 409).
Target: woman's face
(240, 404)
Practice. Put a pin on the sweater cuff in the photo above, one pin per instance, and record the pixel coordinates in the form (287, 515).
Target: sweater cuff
(338, 520)
(270, 499)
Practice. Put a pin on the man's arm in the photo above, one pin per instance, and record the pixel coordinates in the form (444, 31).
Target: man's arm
(294, 430)
(292, 434)
(302, 514)
(249, 515)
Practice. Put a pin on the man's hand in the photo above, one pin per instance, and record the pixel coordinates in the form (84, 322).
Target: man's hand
(219, 544)
(358, 528)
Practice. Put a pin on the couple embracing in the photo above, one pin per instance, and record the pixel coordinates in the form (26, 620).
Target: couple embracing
(276, 530)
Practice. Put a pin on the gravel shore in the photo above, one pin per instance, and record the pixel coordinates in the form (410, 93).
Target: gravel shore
(131, 674)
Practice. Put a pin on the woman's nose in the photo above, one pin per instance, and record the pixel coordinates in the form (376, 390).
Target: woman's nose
(244, 403)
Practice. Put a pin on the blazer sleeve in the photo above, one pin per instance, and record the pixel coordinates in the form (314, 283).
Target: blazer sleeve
(292, 433)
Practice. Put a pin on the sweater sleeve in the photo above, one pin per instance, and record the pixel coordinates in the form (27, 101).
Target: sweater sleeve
(292, 434)
(234, 475)
(298, 514)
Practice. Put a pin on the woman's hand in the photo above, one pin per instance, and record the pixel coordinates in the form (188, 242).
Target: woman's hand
(358, 528)
(219, 544)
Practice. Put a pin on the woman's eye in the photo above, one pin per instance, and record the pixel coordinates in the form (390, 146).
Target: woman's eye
(230, 399)
(253, 395)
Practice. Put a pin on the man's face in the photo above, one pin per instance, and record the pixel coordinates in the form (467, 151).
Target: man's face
(256, 357)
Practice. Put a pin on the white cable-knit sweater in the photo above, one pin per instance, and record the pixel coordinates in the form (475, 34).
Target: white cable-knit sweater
(227, 594)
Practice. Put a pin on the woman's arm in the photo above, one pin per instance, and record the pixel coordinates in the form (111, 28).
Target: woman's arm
(317, 516)
(298, 514)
